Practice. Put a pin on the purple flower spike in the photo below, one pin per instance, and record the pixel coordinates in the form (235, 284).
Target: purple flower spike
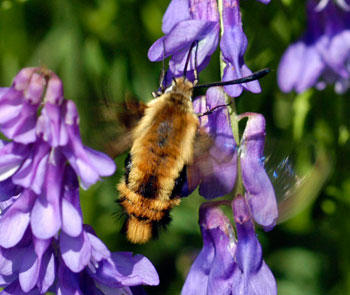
(184, 22)
(260, 193)
(44, 246)
(211, 273)
(233, 46)
(251, 276)
(219, 164)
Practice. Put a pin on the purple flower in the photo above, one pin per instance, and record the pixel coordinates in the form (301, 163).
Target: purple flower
(215, 171)
(44, 246)
(211, 272)
(233, 46)
(251, 276)
(259, 190)
(322, 55)
(184, 22)
(229, 262)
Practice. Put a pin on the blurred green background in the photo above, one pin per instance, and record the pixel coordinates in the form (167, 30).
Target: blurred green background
(99, 50)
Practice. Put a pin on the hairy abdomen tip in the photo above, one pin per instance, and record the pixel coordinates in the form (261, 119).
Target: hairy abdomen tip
(138, 231)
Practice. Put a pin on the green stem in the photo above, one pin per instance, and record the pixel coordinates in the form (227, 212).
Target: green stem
(239, 189)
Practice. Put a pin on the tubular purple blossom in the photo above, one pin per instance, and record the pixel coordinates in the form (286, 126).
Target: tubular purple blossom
(229, 262)
(259, 190)
(184, 22)
(233, 46)
(211, 272)
(251, 276)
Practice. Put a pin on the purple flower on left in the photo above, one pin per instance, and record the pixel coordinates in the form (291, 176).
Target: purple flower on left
(44, 245)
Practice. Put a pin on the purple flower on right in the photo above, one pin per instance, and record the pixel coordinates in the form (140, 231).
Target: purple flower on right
(230, 261)
(322, 55)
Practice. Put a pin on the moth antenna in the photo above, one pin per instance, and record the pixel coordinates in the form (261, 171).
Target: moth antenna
(255, 76)
(194, 43)
(195, 82)
(163, 72)
(162, 76)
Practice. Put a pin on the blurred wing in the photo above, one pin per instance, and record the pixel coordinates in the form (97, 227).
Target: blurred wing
(212, 167)
(295, 189)
(303, 190)
(201, 165)
(123, 117)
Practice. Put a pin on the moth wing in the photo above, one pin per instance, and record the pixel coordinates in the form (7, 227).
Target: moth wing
(123, 117)
(213, 167)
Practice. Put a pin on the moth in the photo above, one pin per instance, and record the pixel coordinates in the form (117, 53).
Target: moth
(162, 139)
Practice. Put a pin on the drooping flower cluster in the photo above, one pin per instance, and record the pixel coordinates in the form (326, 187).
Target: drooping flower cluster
(44, 245)
(226, 264)
(215, 173)
(322, 55)
(186, 21)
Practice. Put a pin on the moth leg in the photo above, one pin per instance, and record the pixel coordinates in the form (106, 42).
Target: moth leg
(162, 76)
(213, 109)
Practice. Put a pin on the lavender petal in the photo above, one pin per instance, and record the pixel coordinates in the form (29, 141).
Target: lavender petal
(14, 222)
(260, 193)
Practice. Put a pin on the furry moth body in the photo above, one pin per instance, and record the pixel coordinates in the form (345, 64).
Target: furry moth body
(162, 146)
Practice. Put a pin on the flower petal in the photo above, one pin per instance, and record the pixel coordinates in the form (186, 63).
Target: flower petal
(46, 214)
(180, 38)
(76, 252)
(32, 172)
(251, 276)
(212, 270)
(99, 250)
(124, 269)
(15, 289)
(47, 272)
(177, 11)
(135, 269)
(11, 157)
(22, 127)
(233, 45)
(50, 126)
(14, 222)
(260, 193)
